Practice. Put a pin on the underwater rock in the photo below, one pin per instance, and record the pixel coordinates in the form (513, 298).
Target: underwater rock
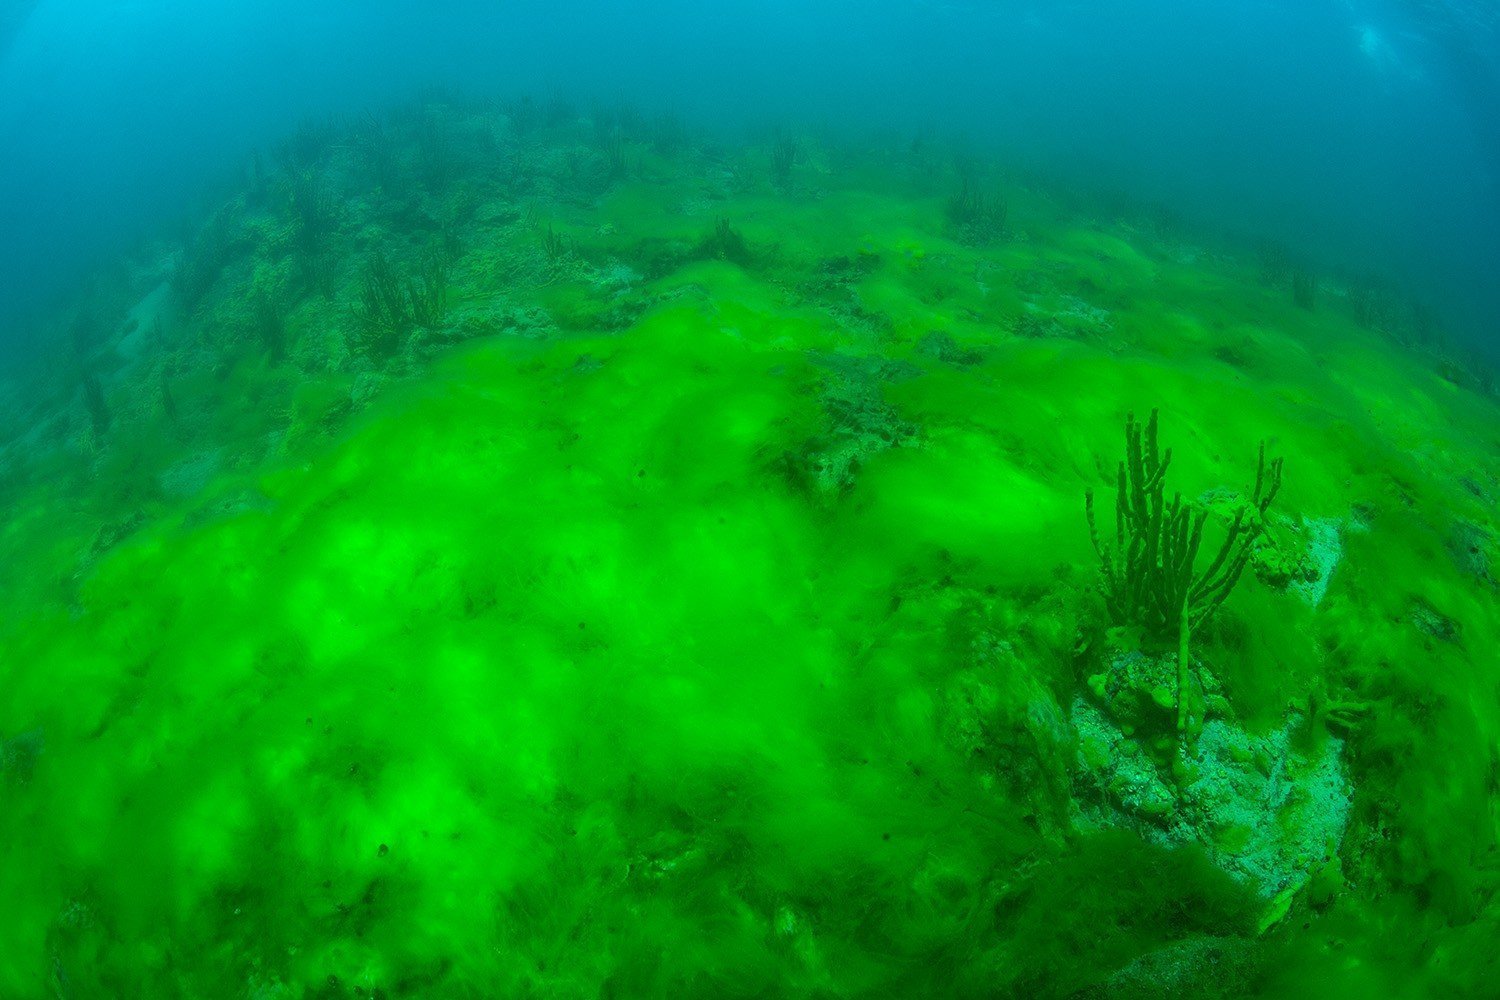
(111, 534)
(944, 348)
(839, 274)
(1274, 814)
(1324, 550)
(1193, 967)
(861, 374)
(1470, 546)
(366, 388)
(1433, 622)
(18, 756)
(1141, 693)
(861, 424)
(227, 505)
(1280, 569)
(999, 716)
(1300, 559)
(1119, 782)
(862, 324)
(1071, 318)
(189, 477)
(1476, 488)
(268, 988)
(1267, 812)
(615, 277)
(145, 322)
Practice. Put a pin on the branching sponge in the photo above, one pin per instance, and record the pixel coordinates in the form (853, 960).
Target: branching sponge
(1151, 577)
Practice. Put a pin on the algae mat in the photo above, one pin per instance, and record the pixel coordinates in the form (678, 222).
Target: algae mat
(686, 591)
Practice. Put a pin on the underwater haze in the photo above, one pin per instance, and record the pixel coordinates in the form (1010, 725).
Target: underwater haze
(1365, 134)
(824, 499)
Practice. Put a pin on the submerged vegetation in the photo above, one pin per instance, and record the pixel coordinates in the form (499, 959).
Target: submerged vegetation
(1152, 583)
(979, 217)
(513, 550)
(390, 307)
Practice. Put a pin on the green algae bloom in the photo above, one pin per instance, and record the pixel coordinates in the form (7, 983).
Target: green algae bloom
(500, 555)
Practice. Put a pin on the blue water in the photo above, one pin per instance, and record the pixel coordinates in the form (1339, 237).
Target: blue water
(1365, 135)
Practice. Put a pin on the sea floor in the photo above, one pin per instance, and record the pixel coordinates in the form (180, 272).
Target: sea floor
(521, 551)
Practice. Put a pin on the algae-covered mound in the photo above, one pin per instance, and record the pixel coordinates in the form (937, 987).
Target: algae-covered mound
(517, 552)
(1268, 813)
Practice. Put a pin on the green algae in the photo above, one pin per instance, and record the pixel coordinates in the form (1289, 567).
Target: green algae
(703, 604)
